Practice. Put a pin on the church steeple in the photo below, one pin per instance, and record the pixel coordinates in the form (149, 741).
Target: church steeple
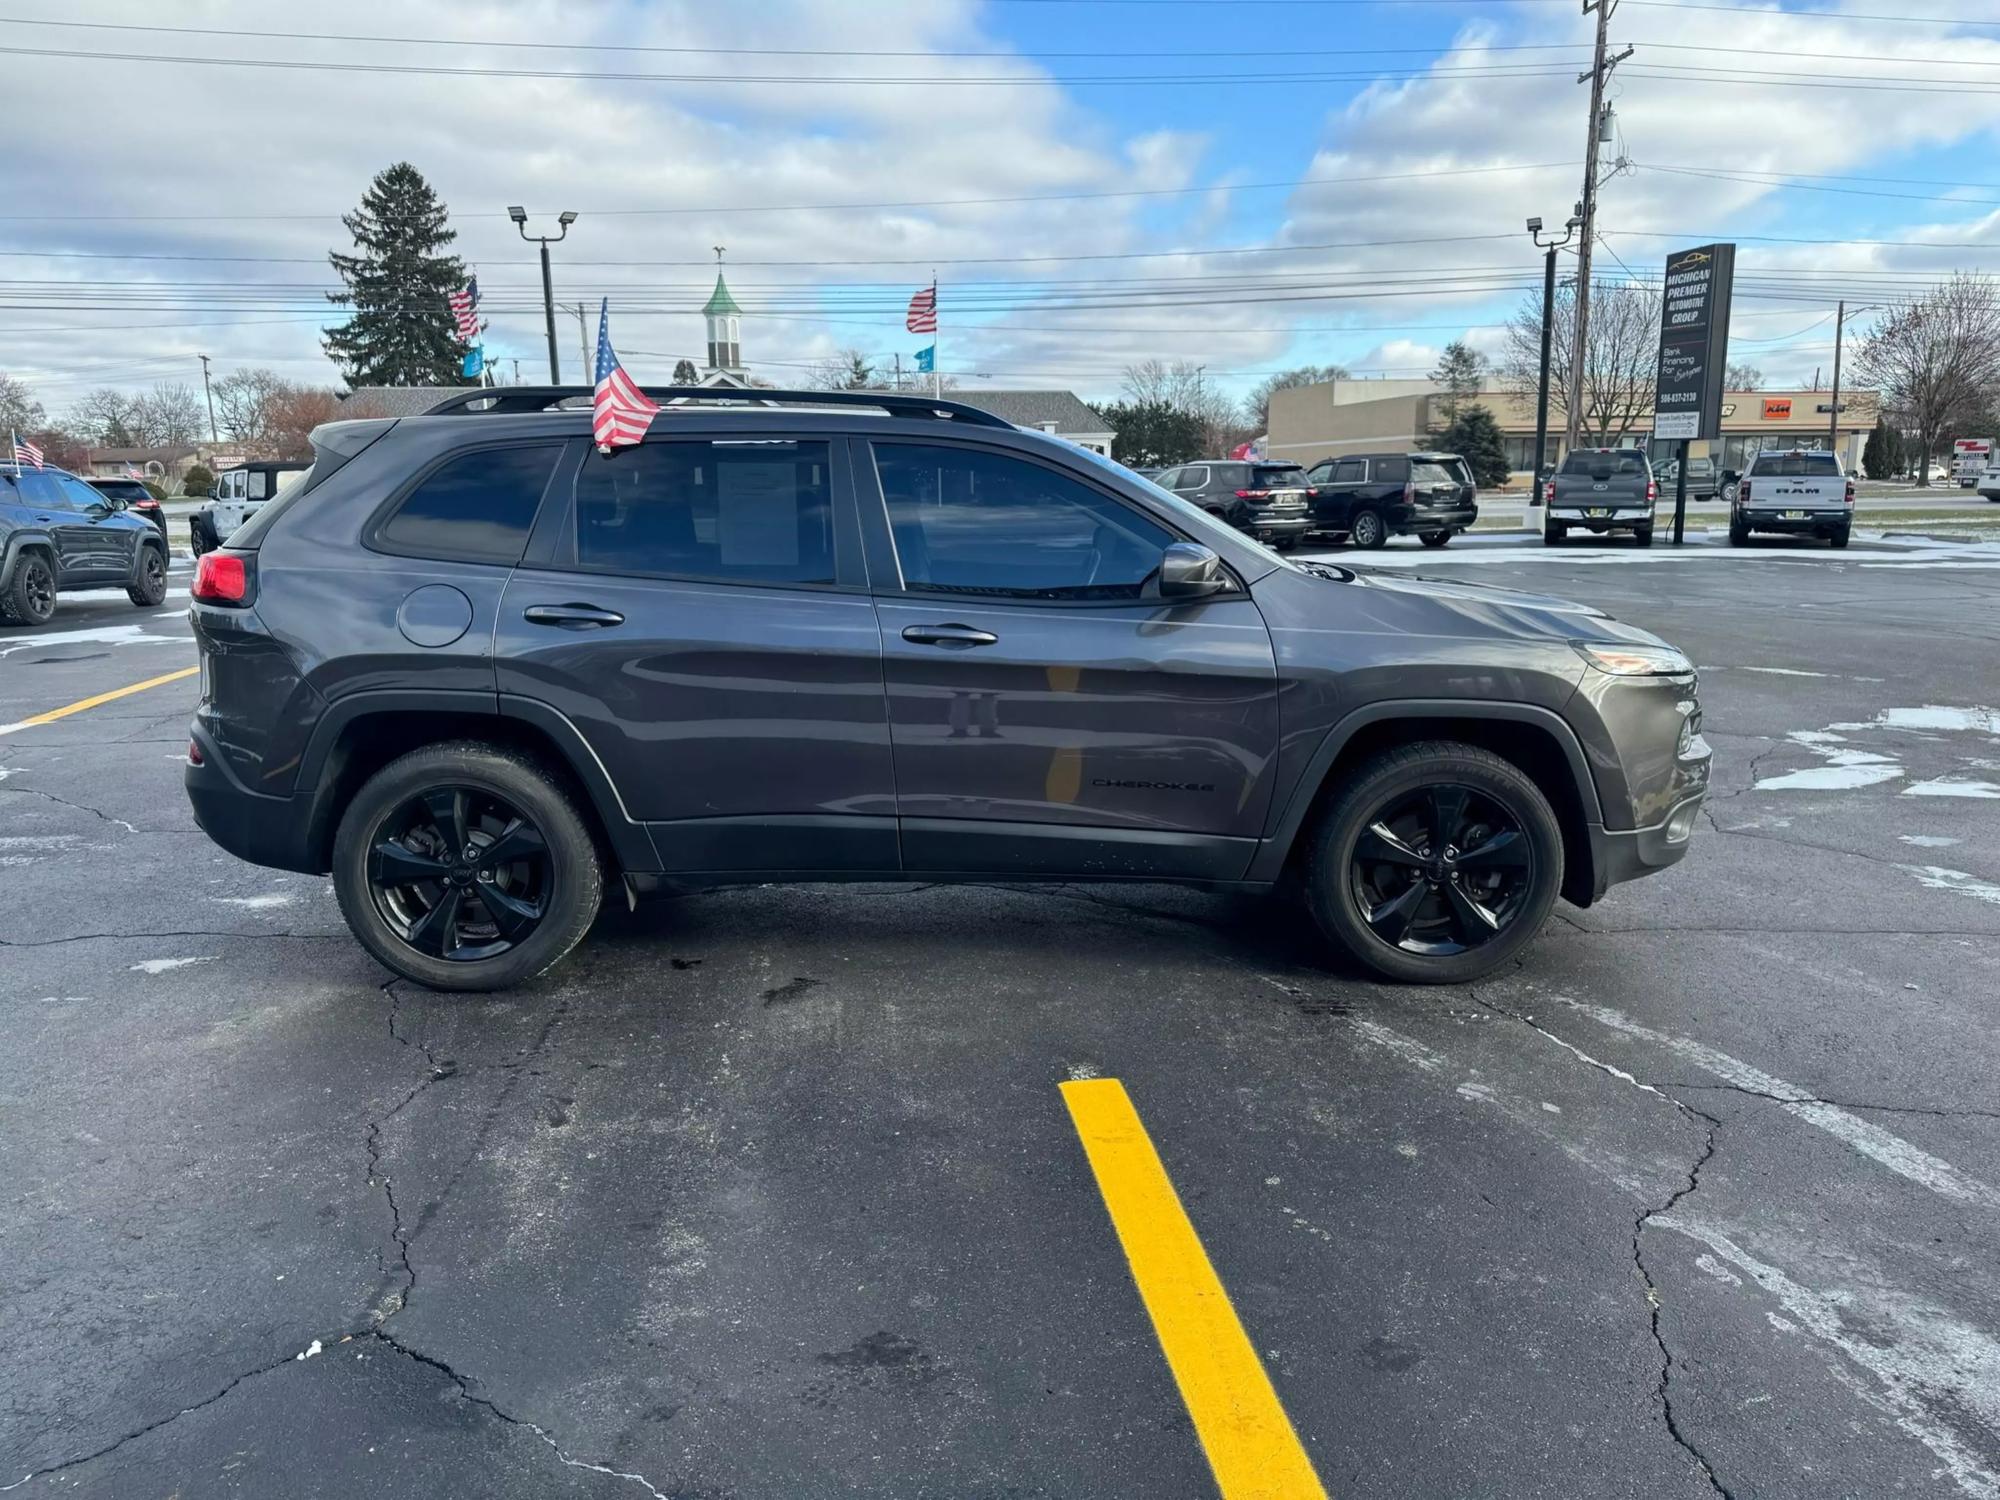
(725, 342)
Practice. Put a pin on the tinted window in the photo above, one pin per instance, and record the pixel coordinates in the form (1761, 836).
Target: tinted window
(123, 489)
(748, 512)
(1164, 478)
(477, 506)
(1273, 476)
(967, 522)
(1392, 470)
(40, 492)
(1191, 479)
(79, 494)
(1432, 474)
(1797, 465)
(1350, 471)
(1599, 465)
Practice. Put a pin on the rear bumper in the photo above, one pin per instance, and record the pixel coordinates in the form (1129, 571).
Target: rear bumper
(1418, 520)
(1294, 524)
(273, 831)
(1621, 518)
(1814, 520)
(1618, 856)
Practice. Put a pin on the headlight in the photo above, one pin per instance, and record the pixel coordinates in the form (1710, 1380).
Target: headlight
(1635, 661)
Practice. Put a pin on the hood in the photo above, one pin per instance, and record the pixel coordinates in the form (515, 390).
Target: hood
(1413, 602)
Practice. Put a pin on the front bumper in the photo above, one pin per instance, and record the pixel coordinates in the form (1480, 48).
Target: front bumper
(1815, 521)
(1621, 855)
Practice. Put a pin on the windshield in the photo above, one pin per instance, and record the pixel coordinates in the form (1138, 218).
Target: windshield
(1431, 474)
(1796, 465)
(1189, 514)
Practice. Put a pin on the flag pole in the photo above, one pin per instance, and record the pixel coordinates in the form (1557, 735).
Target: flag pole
(937, 376)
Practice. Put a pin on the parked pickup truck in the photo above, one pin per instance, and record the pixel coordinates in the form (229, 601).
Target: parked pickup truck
(1601, 490)
(1802, 492)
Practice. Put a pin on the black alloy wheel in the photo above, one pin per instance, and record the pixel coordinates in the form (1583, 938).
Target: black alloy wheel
(31, 598)
(460, 874)
(151, 589)
(1442, 870)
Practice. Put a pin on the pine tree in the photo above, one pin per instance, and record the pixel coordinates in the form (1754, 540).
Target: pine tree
(402, 331)
(1459, 371)
(1881, 458)
(1475, 437)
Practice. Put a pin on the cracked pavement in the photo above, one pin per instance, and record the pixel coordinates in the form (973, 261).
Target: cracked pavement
(770, 1192)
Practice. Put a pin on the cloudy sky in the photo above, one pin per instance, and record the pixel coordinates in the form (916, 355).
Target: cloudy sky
(1249, 184)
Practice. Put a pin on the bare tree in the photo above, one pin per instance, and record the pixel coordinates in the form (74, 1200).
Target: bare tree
(848, 370)
(19, 410)
(1184, 387)
(1257, 405)
(103, 417)
(1741, 377)
(1615, 392)
(1936, 361)
(684, 373)
(291, 415)
(168, 414)
(244, 400)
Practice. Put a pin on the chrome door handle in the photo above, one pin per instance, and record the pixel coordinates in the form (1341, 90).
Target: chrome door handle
(571, 616)
(948, 635)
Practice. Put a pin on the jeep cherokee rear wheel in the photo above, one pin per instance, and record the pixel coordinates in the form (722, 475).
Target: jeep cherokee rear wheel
(464, 866)
(30, 595)
(150, 588)
(1436, 863)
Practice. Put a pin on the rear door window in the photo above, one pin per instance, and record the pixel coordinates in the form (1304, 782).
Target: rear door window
(475, 507)
(1350, 471)
(1277, 477)
(1431, 474)
(749, 511)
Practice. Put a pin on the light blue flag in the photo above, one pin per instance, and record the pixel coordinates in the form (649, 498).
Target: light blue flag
(475, 362)
(927, 359)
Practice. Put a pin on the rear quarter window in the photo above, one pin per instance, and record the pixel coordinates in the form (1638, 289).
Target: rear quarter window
(474, 507)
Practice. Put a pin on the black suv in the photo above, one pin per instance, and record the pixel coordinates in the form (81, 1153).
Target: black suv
(1265, 500)
(56, 533)
(1366, 498)
(130, 494)
(478, 669)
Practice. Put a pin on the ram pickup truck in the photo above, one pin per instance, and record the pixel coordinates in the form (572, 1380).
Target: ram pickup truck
(1802, 492)
(1601, 490)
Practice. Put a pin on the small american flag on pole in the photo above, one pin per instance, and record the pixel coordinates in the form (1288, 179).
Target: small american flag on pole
(132, 471)
(922, 317)
(465, 308)
(26, 453)
(620, 413)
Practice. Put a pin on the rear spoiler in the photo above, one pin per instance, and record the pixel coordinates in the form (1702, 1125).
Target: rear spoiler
(334, 444)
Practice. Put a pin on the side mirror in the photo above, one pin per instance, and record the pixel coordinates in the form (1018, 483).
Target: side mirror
(1190, 571)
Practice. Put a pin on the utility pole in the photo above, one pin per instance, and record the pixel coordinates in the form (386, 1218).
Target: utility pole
(1833, 419)
(1600, 71)
(583, 340)
(209, 392)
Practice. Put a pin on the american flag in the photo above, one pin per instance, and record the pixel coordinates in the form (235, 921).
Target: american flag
(620, 412)
(132, 471)
(922, 316)
(465, 308)
(26, 453)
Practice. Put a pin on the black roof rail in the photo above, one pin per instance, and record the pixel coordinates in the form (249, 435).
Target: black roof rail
(514, 399)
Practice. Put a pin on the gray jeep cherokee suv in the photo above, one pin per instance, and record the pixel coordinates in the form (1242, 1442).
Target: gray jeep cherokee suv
(478, 669)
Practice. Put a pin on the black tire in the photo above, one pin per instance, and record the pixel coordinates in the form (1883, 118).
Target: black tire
(30, 595)
(564, 874)
(1434, 538)
(1367, 531)
(150, 591)
(1739, 534)
(1839, 538)
(1446, 938)
(1643, 536)
(1554, 535)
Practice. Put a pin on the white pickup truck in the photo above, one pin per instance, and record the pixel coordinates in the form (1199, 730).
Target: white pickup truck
(1802, 491)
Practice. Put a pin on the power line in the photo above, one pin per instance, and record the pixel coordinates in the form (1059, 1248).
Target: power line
(1809, 15)
(1807, 187)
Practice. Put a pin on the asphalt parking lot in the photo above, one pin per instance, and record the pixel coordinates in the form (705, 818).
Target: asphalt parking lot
(778, 1193)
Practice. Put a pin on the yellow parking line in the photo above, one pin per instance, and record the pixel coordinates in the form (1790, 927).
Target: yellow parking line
(82, 703)
(1249, 1441)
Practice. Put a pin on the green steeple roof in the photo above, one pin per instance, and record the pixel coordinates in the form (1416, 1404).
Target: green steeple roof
(719, 301)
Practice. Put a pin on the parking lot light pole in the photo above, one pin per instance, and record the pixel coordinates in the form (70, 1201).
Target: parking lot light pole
(566, 218)
(1548, 329)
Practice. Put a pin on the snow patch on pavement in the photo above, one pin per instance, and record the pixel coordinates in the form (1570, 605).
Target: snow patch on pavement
(1937, 878)
(1944, 786)
(1928, 840)
(96, 635)
(264, 902)
(161, 965)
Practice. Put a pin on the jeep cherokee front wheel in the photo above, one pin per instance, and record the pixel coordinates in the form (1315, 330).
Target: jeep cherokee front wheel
(1436, 863)
(464, 866)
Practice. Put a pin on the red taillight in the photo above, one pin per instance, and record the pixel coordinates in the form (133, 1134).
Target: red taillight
(1652, 491)
(222, 578)
(194, 753)
(145, 505)
(1549, 492)
(1253, 494)
(1409, 492)
(1850, 492)
(1742, 490)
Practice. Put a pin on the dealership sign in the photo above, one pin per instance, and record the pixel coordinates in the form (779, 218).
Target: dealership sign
(1694, 342)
